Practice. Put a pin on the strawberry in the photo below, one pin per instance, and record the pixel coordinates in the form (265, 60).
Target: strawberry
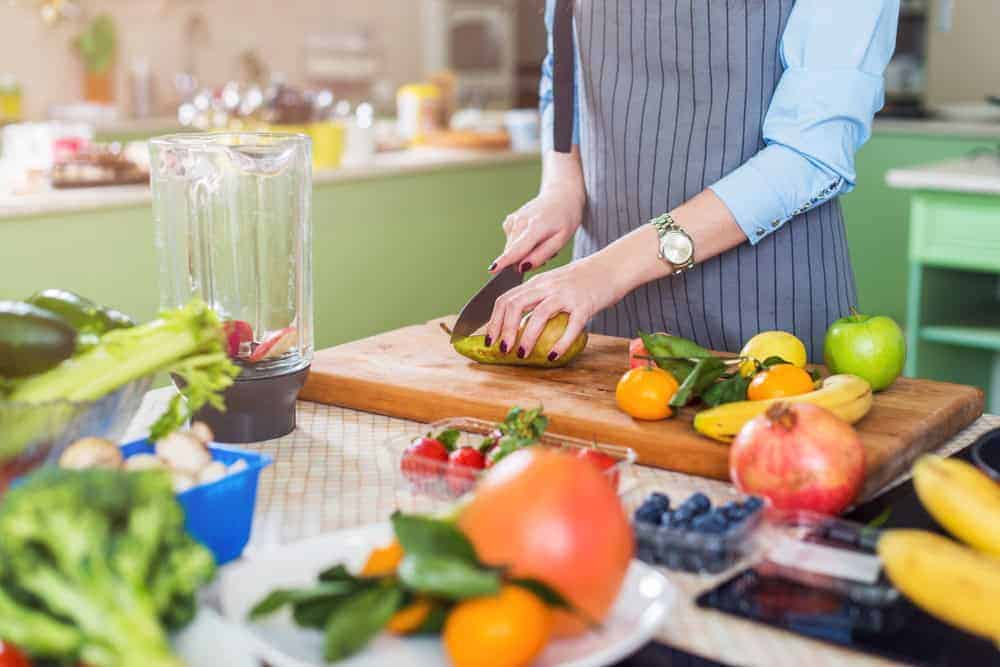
(424, 460)
(464, 465)
(603, 462)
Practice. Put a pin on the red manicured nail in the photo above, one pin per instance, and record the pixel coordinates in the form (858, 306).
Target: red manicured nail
(526, 267)
(521, 354)
(492, 266)
(489, 342)
(503, 347)
(553, 356)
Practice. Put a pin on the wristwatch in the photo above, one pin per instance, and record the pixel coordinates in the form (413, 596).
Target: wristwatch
(676, 245)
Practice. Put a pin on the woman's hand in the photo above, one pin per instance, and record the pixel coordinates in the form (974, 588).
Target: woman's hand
(581, 289)
(539, 229)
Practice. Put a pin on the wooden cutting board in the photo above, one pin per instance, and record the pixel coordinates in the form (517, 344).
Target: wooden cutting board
(413, 373)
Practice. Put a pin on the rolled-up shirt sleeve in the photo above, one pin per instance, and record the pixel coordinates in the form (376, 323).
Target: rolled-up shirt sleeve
(545, 87)
(834, 54)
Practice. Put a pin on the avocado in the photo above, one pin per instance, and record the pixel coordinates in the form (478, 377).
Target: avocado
(32, 340)
(474, 347)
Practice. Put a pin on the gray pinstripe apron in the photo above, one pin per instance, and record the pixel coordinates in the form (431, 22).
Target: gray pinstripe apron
(672, 97)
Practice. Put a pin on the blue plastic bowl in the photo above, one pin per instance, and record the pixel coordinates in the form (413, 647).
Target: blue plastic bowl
(220, 514)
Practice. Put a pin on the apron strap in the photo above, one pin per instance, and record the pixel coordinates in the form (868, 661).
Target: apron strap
(563, 76)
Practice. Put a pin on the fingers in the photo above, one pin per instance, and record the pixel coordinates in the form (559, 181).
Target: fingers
(577, 321)
(518, 248)
(507, 312)
(544, 251)
(540, 316)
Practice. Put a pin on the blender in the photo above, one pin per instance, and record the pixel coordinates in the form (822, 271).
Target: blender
(233, 227)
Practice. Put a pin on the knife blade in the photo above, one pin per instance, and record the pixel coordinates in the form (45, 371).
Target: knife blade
(478, 310)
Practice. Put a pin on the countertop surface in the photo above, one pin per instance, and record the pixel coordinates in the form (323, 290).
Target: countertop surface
(976, 174)
(384, 165)
(326, 477)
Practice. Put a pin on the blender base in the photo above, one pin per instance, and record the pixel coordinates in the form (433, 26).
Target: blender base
(256, 409)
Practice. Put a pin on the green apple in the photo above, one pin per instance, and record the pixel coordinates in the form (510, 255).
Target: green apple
(870, 347)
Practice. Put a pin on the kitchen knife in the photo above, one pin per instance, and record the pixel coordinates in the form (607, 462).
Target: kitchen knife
(477, 312)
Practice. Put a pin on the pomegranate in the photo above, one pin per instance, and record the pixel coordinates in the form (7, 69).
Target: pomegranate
(549, 515)
(638, 355)
(801, 457)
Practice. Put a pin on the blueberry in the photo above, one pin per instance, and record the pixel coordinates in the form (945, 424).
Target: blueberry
(753, 503)
(666, 517)
(661, 500)
(648, 514)
(732, 511)
(698, 504)
(679, 520)
(682, 514)
(711, 523)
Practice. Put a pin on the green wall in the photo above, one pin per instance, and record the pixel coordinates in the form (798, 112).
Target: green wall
(387, 252)
(877, 216)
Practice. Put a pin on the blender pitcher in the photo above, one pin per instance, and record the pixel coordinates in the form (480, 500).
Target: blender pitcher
(233, 227)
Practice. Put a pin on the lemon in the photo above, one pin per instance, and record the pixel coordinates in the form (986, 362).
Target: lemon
(772, 344)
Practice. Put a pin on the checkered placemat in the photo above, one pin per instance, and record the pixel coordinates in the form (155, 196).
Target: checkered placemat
(334, 472)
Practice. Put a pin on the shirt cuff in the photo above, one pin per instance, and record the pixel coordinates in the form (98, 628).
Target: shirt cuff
(758, 206)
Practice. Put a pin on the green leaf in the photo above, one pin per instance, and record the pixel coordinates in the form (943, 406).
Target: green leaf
(448, 438)
(359, 618)
(814, 374)
(448, 577)
(543, 591)
(773, 361)
(423, 535)
(705, 373)
(665, 345)
(337, 573)
(434, 622)
(730, 390)
(285, 596)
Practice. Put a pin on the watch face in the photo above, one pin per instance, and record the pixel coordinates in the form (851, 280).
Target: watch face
(676, 247)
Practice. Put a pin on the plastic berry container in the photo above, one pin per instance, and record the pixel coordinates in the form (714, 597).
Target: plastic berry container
(699, 543)
(444, 481)
(219, 514)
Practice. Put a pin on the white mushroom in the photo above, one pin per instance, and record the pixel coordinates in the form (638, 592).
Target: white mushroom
(202, 431)
(184, 453)
(237, 466)
(214, 471)
(183, 481)
(144, 462)
(91, 453)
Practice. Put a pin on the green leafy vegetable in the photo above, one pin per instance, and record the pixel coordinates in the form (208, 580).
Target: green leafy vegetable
(447, 576)
(95, 566)
(187, 341)
(359, 618)
(521, 428)
(422, 535)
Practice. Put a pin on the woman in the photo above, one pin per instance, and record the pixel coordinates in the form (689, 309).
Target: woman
(739, 120)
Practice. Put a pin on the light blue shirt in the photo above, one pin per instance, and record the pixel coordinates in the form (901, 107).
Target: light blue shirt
(834, 54)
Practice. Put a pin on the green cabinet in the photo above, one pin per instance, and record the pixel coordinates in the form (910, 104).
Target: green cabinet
(877, 216)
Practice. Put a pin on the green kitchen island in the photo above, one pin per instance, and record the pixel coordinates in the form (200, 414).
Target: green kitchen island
(953, 301)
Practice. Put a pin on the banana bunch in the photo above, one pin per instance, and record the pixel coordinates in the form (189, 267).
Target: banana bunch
(847, 396)
(958, 584)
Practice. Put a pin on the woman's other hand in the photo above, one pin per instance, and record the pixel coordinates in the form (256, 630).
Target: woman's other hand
(539, 229)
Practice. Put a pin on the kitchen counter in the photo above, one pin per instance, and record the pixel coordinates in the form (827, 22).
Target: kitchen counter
(325, 478)
(977, 174)
(384, 165)
(936, 127)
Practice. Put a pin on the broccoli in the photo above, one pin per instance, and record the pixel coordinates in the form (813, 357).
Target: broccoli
(96, 566)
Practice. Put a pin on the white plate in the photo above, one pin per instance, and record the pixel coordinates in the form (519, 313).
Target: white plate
(642, 606)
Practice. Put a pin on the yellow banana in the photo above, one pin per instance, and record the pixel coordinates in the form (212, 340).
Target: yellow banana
(962, 499)
(847, 396)
(947, 580)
